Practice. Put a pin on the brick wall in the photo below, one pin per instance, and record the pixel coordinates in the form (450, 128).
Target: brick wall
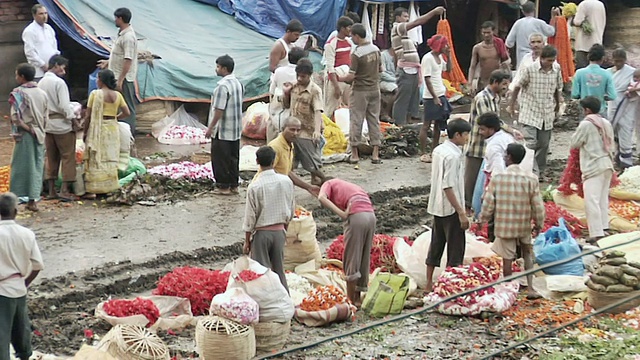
(15, 10)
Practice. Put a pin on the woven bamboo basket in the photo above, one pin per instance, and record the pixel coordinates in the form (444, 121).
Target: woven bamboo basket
(201, 158)
(219, 338)
(271, 336)
(599, 300)
(133, 342)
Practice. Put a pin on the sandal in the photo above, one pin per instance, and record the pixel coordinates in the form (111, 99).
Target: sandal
(219, 191)
(425, 158)
(376, 161)
(353, 161)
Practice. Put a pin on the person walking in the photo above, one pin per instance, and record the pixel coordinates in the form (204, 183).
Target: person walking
(20, 264)
(622, 111)
(594, 138)
(225, 127)
(512, 200)
(541, 84)
(489, 55)
(353, 205)
(270, 208)
(487, 100)
(593, 80)
(337, 53)
(518, 36)
(446, 200)
(305, 101)
(102, 136)
(29, 117)
(60, 139)
(40, 42)
(364, 75)
(436, 105)
(408, 78)
(123, 61)
(590, 21)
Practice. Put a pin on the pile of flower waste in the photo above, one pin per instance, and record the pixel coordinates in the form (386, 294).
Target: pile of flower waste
(189, 133)
(184, 169)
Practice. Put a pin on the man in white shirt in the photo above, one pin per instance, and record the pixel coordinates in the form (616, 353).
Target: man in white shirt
(60, 139)
(282, 75)
(20, 263)
(39, 40)
(446, 200)
(497, 140)
(590, 21)
(521, 30)
(123, 61)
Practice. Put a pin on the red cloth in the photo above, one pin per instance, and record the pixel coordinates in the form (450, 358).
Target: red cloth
(342, 193)
(501, 47)
(437, 43)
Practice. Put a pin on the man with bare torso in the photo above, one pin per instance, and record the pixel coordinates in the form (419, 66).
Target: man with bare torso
(487, 56)
(280, 50)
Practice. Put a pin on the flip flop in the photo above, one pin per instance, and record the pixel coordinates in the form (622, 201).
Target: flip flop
(353, 162)
(535, 296)
(376, 161)
(425, 158)
(221, 192)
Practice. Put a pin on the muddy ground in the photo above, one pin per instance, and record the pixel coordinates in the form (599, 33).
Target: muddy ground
(93, 250)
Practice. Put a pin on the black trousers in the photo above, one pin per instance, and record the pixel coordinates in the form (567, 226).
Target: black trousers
(225, 160)
(446, 232)
(15, 328)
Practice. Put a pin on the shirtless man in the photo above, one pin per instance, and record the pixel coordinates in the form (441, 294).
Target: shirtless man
(280, 50)
(487, 56)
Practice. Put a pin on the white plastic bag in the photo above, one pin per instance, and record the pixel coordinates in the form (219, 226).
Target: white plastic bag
(411, 259)
(179, 119)
(274, 301)
(254, 121)
(248, 158)
(234, 304)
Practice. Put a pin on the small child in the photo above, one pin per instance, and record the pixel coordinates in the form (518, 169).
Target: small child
(633, 91)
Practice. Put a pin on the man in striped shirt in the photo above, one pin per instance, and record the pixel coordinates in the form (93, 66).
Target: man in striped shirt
(408, 62)
(513, 200)
(269, 209)
(487, 100)
(225, 127)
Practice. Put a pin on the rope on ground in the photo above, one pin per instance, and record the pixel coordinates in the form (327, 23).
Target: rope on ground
(573, 322)
(452, 297)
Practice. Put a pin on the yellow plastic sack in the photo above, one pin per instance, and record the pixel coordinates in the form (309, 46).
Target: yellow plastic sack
(336, 141)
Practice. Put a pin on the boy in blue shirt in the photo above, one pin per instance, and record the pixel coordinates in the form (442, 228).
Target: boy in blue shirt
(594, 80)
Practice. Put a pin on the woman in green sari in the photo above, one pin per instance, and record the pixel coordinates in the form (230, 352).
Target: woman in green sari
(102, 136)
(29, 114)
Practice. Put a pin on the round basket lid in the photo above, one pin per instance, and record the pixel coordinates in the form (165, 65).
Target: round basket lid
(140, 342)
(222, 325)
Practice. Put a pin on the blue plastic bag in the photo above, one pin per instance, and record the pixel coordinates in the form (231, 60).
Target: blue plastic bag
(557, 244)
(93, 80)
(478, 191)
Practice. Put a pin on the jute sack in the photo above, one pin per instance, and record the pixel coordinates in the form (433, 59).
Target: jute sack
(301, 245)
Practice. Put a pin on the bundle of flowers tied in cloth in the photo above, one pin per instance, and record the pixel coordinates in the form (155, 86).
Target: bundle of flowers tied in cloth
(455, 280)
(324, 305)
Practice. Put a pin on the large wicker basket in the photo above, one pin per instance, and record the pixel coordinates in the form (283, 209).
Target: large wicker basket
(133, 342)
(219, 338)
(271, 336)
(599, 300)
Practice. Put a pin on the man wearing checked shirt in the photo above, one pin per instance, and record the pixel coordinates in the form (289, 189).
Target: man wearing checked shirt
(487, 100)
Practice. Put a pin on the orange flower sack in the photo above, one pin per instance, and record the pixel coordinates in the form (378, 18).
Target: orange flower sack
(455, 76)
(562, 42)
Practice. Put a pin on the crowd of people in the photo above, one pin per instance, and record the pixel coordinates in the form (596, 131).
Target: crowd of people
(481, 170)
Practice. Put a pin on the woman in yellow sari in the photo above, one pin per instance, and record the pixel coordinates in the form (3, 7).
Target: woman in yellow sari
(102, 137)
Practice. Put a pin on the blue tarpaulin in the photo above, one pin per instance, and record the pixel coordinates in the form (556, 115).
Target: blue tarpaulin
(188, 36)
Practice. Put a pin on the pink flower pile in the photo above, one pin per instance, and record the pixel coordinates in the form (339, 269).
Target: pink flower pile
(455, 280)
(192, 134)
(185, 169)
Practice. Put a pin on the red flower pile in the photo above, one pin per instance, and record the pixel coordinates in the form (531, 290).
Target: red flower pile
(553, 213)
(196, 284)
(381, 252)
(248, 275)
(137, 306)
(571, 180)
